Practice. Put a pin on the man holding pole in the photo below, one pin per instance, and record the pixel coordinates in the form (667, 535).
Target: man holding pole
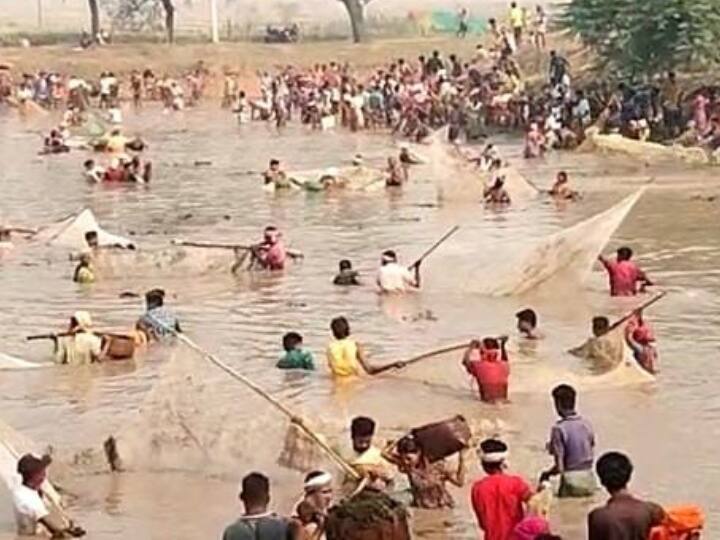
(395, 278)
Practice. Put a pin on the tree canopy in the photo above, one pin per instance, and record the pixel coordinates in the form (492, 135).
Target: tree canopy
(645, 37)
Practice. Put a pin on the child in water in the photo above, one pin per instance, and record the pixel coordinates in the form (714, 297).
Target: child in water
(640, 338)
(295, 357)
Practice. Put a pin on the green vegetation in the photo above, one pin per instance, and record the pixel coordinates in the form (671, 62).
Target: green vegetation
(645, 37)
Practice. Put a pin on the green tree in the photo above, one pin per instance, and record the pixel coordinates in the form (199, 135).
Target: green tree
(645, 37)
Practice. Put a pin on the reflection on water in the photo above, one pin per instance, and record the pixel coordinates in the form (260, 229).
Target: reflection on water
(242, 320)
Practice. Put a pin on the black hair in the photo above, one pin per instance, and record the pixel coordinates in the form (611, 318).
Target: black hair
(490, 343)
(340, 327)
(527, 315)
(408, 445)
(614, 470)
(492, 446)
(291, 340)
(345, 265)
(624, 253)
(601, 324)
(255, 489)
(274, 162)
(565, 397)
(362, 426)
(563, 174)
(88, 162)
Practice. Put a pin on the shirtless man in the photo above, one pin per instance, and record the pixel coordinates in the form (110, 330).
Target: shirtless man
(275, 175)
(396, 174)
(497, 194)
(270, 254)
(561, 188)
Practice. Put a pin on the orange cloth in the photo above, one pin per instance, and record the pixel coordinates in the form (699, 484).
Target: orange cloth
(679, 524)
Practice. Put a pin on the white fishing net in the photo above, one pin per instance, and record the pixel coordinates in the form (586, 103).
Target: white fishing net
(70, 232)
(459, 180)
(569, 254)
(358, 178)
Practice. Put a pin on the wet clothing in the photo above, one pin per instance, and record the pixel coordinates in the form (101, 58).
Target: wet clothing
(273, 256)
(492, 375)
(80, 349)
(29, 509)
(160, 322)
(342, 356)
(395, 278)
(498, 501)
(572, 442)
(427, 485)
(624, 518)
(624, 277)
(346, 277)
(262, 527)
(297, 359)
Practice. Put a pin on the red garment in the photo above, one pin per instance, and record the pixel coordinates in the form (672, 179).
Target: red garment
(275, 256)
(498, 501)
(624, 276)
(492, 375)
(114, 174)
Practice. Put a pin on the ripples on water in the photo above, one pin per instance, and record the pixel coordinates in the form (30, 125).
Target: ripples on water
(242, 320)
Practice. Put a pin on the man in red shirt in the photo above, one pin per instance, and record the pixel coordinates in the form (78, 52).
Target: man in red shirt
(488, 363)
(624, 274)
(498, 499)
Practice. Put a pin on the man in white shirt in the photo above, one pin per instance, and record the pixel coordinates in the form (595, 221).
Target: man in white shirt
(394, 278)
(30, 509)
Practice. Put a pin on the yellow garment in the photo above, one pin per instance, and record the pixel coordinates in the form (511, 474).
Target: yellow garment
(116, 143)
(516, 18)
(342, 356)
(84, 275)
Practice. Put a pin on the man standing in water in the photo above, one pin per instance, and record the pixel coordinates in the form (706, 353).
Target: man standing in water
(572, 442)
(158, 322)
(498, 499)
(624, 274)
(270, 254)
(257, 523)
(604, 349)
(488, 364)
(366, 457)
(527, 322)
(394, 278)
(623, 516)
(275, 176)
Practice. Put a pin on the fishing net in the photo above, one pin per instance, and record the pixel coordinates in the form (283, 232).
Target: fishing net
(569, 253)
(354, 178)
(648, 151)
(70, 232)
(111, 264)
(459, 180)
(10, 362)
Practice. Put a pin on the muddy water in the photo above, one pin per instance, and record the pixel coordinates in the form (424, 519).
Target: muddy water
(666, 427)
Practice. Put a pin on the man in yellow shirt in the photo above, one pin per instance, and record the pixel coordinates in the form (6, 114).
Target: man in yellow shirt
(517, 21)
(345, 355)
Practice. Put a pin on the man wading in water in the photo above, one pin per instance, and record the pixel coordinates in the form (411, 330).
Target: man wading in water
(624, 274)
(572, 442)
(394, 278)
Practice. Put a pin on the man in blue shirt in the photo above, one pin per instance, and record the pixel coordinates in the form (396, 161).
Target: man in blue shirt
(572, 445)
(158, 322)
(257, 523)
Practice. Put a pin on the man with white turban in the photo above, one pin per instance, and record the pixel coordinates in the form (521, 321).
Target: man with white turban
(79, 345)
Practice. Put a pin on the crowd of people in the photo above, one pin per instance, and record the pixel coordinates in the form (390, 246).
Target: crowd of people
(410, 98)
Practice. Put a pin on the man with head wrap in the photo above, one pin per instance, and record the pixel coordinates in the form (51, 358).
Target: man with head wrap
(311, 512)
(79, 345)
(498, 499)
(394, 278)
